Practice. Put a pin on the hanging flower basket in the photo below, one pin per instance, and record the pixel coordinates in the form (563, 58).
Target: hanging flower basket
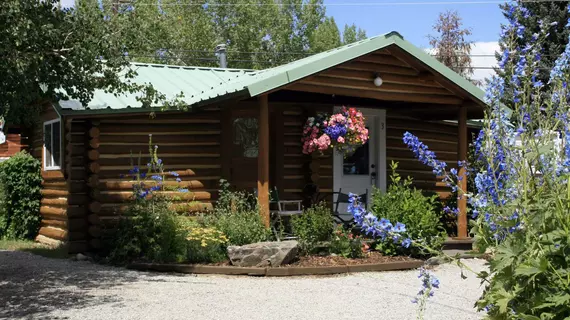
(344, 132)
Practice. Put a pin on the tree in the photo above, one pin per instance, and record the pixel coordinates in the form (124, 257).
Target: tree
(50, 54)
(351, 34)
(450, 44)
(528, 19)
(326, 36)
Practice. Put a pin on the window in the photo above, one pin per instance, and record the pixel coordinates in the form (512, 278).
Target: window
(52, 145)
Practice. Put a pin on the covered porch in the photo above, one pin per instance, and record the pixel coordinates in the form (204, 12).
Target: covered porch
(417, 94)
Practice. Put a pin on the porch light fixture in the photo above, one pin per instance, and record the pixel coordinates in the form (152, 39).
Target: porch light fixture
(378, 81)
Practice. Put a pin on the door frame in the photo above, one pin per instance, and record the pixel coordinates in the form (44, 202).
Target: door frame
(380, 149)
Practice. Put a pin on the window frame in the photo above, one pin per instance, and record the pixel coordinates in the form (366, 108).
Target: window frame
(52, 123)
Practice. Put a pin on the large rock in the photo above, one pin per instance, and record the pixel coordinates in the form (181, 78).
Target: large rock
(263, 254)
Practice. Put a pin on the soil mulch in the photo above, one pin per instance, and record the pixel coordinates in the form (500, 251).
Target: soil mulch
(321, 261)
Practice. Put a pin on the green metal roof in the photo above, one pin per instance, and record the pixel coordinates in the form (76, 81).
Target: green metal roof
(206, 85)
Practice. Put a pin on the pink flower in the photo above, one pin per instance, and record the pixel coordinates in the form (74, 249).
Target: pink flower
(323, 142)
(340, 140)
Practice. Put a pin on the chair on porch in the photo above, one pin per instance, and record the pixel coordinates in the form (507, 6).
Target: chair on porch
(343, 198)
(278, 209)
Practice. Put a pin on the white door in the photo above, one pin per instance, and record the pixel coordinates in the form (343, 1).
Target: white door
(365, 168)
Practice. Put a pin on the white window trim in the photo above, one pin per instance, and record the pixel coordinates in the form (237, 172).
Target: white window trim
(46, 168)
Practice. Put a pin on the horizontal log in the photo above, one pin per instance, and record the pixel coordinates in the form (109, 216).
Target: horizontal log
(53, 233)
(75, 138)
(76, 211)
(128, 151)
(386, 78)
(57, 184)
(423, 135)
(371, 94)
(160, 140)
(77, 235)
(383, 59)
(164, 133)
(116, 209)
(76, 149)
(411, 125)
(77, 224)
(369, 85)
(189, 161)
(78, 199)
(123, 196)
(152, 128)
(53, 175)
(78, 173)
(93, 219)
(77, 186)
(159, 120)
(54, 193)
(75, 161)
(94, 193)
(445, 156)
(378, 68)
(122, 172)
(53, 211)
(125, 168)
(58, 202)
(191, 184)
(62, 224)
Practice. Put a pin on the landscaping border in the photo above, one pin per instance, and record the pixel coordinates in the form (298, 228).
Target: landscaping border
(275, 272)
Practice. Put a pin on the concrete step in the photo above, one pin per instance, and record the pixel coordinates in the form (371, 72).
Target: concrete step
(458, 244)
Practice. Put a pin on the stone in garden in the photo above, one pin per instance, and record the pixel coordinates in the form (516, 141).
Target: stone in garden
(263, 254)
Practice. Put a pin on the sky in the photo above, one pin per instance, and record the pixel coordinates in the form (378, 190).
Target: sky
(414, 20)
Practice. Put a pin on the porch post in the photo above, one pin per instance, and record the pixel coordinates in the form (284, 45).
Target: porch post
(462, 156)
(263, 158)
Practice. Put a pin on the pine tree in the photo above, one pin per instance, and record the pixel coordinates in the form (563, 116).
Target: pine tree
(450, 44)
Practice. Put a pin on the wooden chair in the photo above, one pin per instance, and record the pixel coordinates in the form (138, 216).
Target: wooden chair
(281, 208)
(343, 198)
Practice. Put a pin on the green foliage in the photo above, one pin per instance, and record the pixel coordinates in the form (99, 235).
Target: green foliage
(20, 194)
(206, 245)
(326, 36)
(237, 215)
(45, 49)
(410, 206)
(345, 244)
(351, 34)
(149, 231)
(314, 225)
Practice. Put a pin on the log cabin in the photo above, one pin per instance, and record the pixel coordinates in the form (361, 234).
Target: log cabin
(245, 126)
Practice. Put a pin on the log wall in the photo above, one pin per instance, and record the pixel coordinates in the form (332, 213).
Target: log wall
(438, 136)
(188, 144)
(54, 204)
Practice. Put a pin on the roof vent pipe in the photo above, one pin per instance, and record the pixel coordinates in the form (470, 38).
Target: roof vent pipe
(221, 54)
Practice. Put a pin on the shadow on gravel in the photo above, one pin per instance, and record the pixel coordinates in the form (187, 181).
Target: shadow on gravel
(32, 286)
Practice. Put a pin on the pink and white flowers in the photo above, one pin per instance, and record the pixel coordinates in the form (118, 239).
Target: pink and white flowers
(342, 131)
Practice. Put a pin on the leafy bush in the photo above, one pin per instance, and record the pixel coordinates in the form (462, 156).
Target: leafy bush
(150, 230)
(314, 225)
(409, 206)
(345, 244)
(237, 215)
(20, 195)
(206, 245)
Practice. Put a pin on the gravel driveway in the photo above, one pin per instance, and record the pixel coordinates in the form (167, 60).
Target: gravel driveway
(34, 287)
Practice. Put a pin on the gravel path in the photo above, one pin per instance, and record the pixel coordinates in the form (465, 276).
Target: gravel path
(33, 287)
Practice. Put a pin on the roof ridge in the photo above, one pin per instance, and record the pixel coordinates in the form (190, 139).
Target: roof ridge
(173, 66)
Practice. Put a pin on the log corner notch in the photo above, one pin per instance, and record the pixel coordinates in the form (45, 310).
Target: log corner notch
(93, 168)
(263, 159)
(462, 232)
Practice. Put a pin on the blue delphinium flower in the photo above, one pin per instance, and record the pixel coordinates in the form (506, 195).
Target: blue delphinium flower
(422, 153)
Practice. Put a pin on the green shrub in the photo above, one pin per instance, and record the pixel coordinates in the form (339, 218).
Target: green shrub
(345, 244)
(206, 245)
(149, 231)
(20, 195)
(411, 207)
(314, 225)
(237, 215)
